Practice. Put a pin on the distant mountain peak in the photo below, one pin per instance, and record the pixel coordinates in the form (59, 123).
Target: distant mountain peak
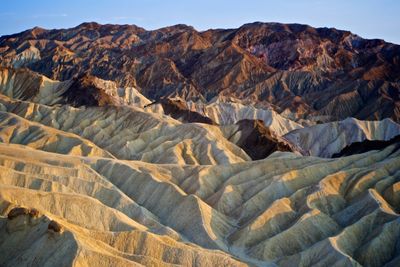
(294, 68)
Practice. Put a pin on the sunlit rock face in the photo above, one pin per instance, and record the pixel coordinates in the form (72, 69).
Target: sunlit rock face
(267, 145)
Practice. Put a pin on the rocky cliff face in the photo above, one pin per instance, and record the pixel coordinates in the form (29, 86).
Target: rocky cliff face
(296, 69)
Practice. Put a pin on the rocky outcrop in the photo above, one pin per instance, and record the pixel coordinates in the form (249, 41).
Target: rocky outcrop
(55, 227)
(18, 211)
(15, 212)
(20, 219)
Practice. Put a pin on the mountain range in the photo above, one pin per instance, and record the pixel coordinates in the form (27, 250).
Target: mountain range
(295, 69)
(266, 145)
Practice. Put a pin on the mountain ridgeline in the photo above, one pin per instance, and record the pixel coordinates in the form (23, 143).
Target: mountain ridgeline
(300, 71)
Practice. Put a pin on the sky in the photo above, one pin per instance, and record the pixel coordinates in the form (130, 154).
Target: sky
(367, 18)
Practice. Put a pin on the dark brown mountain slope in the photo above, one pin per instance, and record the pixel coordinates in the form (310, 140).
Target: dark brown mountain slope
(178, 109)
(258, 140)
(24, 84)
(293, 68)
(365, 146)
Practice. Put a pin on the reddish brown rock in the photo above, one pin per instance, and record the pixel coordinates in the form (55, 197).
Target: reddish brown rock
(15, 212)
(84, 92)
(296, 68)
(257, 140)
(178, 109)
(55, 227)
(34, 213)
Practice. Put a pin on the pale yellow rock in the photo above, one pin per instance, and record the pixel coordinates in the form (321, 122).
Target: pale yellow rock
(225, 113)
(132, 187)
(281, 210)
(131, 133)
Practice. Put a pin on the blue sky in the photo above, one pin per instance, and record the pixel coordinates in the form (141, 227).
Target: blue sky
(367, 18)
